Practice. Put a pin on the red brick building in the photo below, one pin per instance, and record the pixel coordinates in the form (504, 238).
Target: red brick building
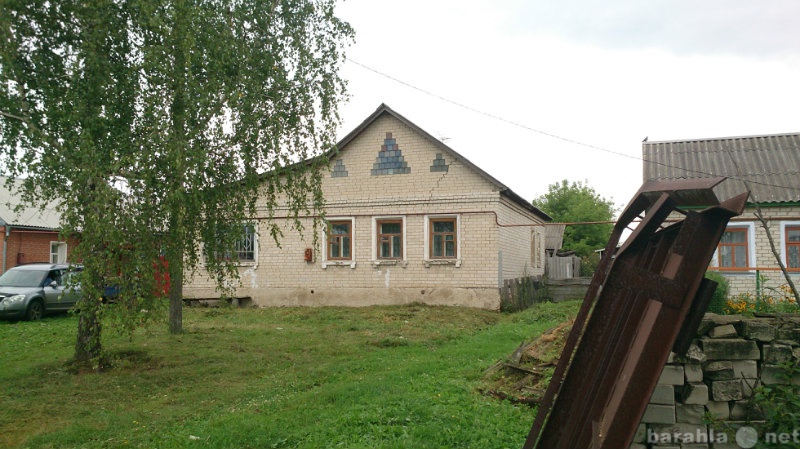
(30, 234)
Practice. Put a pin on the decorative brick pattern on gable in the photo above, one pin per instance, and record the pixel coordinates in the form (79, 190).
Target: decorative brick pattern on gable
(339, 170)
(439, 164)
(390, 160)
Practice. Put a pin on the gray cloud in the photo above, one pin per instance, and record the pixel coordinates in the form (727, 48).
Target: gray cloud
(743, 27)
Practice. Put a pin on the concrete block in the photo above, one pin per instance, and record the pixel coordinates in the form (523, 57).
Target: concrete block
(693, 372)
(640, 435)
(774, 374)
(678, 434)
(745, 411)
(692, 414)
(671, 375)
(719, 370)
(777, 353)
(727, 390)
(695, 393)
(745, 369)
(730, 349)
(693, 355)
(725, 331)
(758, 330)
(719, 409)
(659, 414)
(663, 395)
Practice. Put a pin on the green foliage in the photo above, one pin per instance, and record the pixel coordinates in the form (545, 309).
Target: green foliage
(780, 406)
(719, 299)
(576, 202)
(280, 377)
(154, 123)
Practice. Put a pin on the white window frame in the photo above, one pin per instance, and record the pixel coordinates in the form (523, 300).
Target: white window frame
(428, 260)
(751, 249)
(784, 255)
(376, 262)
(338, 262)
(60, 254)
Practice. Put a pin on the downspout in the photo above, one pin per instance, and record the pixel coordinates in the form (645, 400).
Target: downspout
(5, 243)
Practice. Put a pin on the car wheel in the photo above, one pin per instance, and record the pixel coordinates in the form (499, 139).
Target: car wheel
(35, 310)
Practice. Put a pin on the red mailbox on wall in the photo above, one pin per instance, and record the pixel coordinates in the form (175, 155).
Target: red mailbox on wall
(309, 255)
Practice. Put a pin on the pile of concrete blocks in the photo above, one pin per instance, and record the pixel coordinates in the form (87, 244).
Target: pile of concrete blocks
(704, 396)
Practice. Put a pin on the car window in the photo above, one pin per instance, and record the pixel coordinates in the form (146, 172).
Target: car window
(23, 278)
(55, 275)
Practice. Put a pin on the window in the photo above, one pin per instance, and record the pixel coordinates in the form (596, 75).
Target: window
(340, 240)
(733, 249)
(58, 252)
(245, 247)
(443, 239)
(792, 236)
(390, 239)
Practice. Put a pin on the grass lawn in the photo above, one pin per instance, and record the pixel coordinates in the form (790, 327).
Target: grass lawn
(375, 377)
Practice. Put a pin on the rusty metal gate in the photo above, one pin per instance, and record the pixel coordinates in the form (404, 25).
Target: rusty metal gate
(646, 299)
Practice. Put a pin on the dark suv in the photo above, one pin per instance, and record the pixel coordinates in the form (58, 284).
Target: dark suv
(29, 291)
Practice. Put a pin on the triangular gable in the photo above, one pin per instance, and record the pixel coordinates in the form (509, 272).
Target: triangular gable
(439, 163)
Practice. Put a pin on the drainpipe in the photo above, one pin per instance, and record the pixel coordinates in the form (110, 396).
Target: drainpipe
(5, 243)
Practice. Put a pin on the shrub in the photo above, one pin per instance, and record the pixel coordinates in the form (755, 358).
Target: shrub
(719, 300)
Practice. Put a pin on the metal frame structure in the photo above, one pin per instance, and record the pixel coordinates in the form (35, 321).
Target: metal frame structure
(646, 300)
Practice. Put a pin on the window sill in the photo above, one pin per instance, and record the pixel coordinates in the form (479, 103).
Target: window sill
(454, 262)
(338, 263)
(380, 263)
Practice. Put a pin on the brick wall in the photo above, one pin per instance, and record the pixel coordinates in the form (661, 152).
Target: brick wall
(23, 246)
(432, 183)
(730, 357)
(762, 258)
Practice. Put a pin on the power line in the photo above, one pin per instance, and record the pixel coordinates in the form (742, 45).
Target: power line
(556, 136)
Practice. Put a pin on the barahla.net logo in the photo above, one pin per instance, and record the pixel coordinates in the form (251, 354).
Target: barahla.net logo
(746, 437)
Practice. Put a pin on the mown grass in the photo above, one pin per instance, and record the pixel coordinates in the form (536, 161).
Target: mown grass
(376, 377)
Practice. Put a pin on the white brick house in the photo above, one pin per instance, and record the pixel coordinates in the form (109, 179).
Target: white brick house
(768, 166)
(410, 220)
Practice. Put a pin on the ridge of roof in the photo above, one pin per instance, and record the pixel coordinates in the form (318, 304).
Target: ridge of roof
(708, 139)
(385, 109)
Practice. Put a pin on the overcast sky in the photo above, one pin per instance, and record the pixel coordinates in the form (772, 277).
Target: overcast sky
(538, 91)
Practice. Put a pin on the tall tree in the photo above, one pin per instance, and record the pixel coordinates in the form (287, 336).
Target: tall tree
(154, 122)
(576, 203)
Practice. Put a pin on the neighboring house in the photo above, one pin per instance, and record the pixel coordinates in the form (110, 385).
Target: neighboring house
(409, 220)
(30, 234)
(768, 166)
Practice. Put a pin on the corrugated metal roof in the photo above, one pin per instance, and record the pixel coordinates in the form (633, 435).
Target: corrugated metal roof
(768, 165)
(28, 216)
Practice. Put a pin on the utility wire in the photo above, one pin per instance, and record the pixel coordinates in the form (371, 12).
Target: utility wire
(556, 136)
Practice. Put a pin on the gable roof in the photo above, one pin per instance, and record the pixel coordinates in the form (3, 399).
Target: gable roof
(502, 188)
(767, 165)
(29, 216)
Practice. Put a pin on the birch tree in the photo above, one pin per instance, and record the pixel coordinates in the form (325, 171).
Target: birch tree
(156, 124)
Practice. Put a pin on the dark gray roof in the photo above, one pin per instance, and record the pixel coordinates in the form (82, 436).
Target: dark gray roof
(767, 165)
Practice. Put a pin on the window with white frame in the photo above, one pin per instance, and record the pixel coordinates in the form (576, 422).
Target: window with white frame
(443, 237)
(735, 251)
(389, 238)
(339, 239)
(790, 233)
(58, 252)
